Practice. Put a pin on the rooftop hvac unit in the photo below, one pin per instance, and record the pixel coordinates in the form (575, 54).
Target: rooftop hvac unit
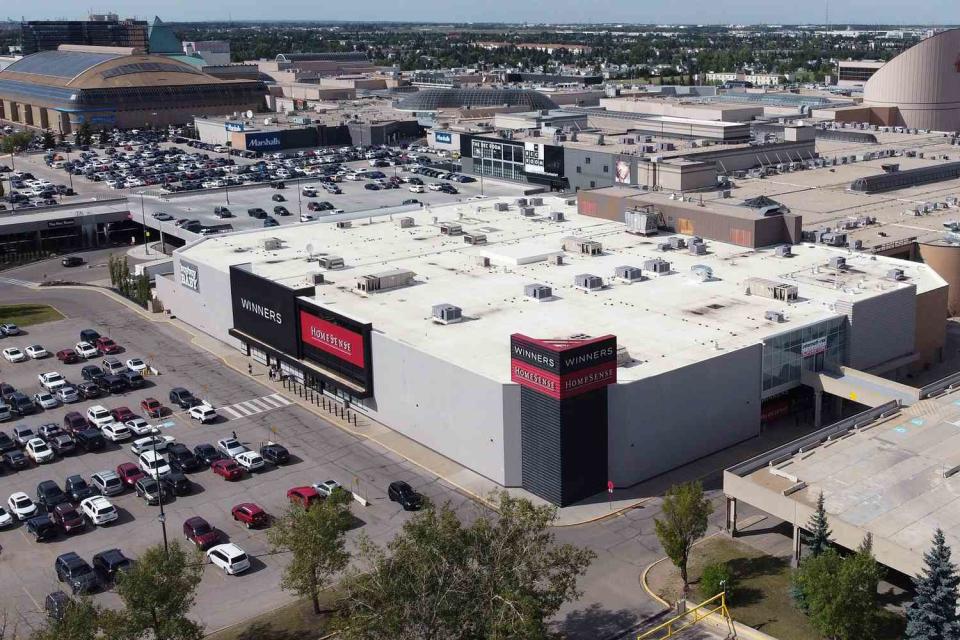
(856, 245)
(450, 229)
(556, 216)
(658, 266)
(556, 259)
(775, 316)
(405, 222)
(698, 249)
(837, 262)
(482, 261)
(272, 244)
(702, 272)
(501, 206)
(641, 222)
(475, 238)
(344, 224)
(317, 277)
(664, 246)
(521, 202)
(527, 211)
(677, 242)
(446, 313)
(784, 251)
(583, 246)
(588, 282)
(772, 289)
(537, 291)
(895, 274)
(385, 280)
(330, 262)
(628, 274)
(536, 202)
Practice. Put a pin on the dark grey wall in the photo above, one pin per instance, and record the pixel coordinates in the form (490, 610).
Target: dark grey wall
(882, 327)
(585, 169)
(662, 422)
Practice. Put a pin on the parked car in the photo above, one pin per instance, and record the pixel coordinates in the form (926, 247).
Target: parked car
(73, 422)
(275, 453)
(86, 350)
(23, 434)
(150, 490)
(303, 496)
(250, 514)
(176, 483)
(15, 460)
(12, 354)
(99, 511)
(250, 460)
(68, 356)
(42, 527)
(140, 427)
(230, 447)
(203, 413)
(207, 453)
(116, 432)
(71, 261)
(89, 390)
(227, 468)
(49, 495)
(112, 384)
(183, 398)
(92, 372)
(74, 570)
(51, 380)
(62, 444)
(229, 557)
(77, 488)
(136, 364)
(21, 404)
(99, 416)
(327, 488)
(108, 564)
(68, 518)
(21, 506)
(182, 459)
(46, 400)
(107, 482)
(36, 352)
(55, 604)
(122, 414)
(39, 451)
(129, 473)
(113, 366)
(68, 393)
(199, 532)
(151, 443)
(90, 439)
(107, 346)
(152, 407)
(403, 493)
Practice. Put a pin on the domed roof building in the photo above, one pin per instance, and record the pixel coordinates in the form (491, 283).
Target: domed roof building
(477, 98)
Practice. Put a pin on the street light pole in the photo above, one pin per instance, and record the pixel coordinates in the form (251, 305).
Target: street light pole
(143, 220)
(299, 199)
(163, 516)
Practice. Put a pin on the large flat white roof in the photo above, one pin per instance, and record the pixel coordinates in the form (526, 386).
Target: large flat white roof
(664, 322)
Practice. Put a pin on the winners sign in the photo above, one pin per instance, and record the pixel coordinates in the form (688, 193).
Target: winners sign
(563, 368)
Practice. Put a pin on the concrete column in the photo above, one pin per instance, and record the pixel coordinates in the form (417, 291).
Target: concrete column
(817, 408)
(795, 560)
(732, 516)
(837, 407)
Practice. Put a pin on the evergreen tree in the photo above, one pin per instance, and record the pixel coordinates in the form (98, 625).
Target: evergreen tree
(819, 540)
(933, 613)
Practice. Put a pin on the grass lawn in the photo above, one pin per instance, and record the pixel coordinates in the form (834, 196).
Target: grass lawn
(295, 621)
(24, 315)
(762, 596)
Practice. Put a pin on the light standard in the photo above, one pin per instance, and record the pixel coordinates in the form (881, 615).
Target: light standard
(143, 221)
(299, 199)
(162, 518)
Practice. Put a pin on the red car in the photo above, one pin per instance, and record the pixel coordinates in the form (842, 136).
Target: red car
(107, 346)
(74, 422)
(152, 407)
(199, 532)
(229, 469)
(122, 414)
(303, 496)
(68, 356)
(250, 515)
(66, 515)
(129, 473)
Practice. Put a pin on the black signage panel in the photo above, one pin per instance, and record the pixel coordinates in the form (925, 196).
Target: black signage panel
(563, 356)
(265, 310)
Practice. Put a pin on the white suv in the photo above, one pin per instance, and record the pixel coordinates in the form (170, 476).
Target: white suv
(229, 557)
(153, 464)
(99, 416)
(51, 381)
(204, 413)
(99, 510)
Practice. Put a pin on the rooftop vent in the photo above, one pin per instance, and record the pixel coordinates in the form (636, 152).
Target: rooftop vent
(702, 272)
(838, 262)
(482, 261)
(501, 206)
(775, 316)
(272, 244)
(385, 280)
(658, 266)
(628, 274)
(317, 278)
(330, 262)
(784, 251)
(405, 222)
(528, 211)
(446, 313)
(450, 229)
(536, 202)
(771, 289)
(521, 202)
(537, 291)
(475, 238)
(557, 216)
(588, 282)
(581, 245)
(677, 242)
(698, 248)
(555, 259)
(895, 274)
(344, 224)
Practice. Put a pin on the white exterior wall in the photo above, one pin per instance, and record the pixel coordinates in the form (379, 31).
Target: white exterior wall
(660, 423)
(467, 417)
(208, 309)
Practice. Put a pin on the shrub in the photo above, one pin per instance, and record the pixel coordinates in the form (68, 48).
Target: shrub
(715, 578)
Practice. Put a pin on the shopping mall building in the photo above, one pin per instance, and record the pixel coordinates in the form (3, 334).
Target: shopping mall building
(551, 350)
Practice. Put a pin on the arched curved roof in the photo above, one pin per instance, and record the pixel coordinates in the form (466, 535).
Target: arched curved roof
(433, 99)
(58, 65)
(923, 83)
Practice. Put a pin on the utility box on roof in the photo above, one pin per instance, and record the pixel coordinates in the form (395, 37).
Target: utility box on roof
(629, 274)
(538, 291)
(581, 245)
(446, 313)
(658, 266)
(588, 282)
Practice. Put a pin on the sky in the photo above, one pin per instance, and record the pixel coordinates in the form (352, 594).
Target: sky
(930, 12)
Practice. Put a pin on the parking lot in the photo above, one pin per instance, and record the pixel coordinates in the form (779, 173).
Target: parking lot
(320, 451)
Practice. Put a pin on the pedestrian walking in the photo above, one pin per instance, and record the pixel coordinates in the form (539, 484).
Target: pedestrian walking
(235, 435)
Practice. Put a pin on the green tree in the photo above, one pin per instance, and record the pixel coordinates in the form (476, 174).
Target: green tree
(819, 537)
(48, 140)
(81, 621)
(157, 596)
(16, 141)
(103, 137)
(112, 268)
(933, 613)
(841, 593)
(315, 538)
(501, 576)
(716, 578)
(685, 514)
(83, 134)
(143, 288)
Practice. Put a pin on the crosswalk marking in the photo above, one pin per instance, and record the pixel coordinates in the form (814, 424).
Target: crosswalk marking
(255, 405)
(14, 281)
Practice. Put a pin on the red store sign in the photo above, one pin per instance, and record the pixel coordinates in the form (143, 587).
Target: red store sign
(332, 338)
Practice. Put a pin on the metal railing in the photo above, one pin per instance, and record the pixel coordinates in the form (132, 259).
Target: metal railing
(675, 625)
(319, 399)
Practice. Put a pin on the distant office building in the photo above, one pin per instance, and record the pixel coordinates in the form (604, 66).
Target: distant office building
(213, 52)
(749, 79)
(854, 74)
(100, 30)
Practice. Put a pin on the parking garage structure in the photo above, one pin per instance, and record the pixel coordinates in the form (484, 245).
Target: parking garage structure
(508, 336)
(114, 87)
